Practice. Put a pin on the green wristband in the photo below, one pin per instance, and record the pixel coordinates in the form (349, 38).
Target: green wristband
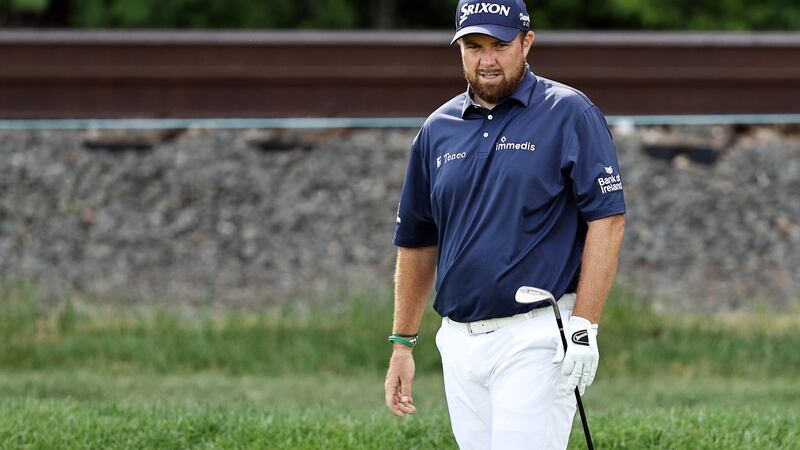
(408, 342)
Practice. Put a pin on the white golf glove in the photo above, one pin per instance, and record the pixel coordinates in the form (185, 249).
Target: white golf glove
(580, 362)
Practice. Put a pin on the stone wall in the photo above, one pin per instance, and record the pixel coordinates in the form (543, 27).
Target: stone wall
(239, 218)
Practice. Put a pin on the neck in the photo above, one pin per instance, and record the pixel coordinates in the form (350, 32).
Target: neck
(488, 105)
(483, 102)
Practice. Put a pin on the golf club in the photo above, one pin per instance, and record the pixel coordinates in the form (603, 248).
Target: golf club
(526, 295)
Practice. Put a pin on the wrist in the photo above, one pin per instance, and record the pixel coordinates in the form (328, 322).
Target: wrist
(581, 321)
(399, 348)
(405, 335)
(407, 340)
(576, 327)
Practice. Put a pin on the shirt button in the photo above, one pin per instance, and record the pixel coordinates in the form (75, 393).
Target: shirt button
(490, 117)
(485, 134)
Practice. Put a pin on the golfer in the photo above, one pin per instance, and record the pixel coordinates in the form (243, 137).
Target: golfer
(514, 182)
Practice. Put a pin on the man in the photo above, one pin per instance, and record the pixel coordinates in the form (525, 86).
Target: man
(512, 183)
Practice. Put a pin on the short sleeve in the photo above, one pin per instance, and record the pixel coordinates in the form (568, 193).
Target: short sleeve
(592, 165)
(415, 226)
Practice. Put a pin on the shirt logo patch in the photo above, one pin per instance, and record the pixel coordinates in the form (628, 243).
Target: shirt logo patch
(611, 183)
(481, 8)
(447, 157)
(505, 144)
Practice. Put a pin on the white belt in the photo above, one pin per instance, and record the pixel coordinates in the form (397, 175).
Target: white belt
(566, 302)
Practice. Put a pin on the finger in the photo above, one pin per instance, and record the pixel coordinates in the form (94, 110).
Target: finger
(405, 400)
(390, 389)
(582, 382)
(405, 391)
(395, 408)
(592, 373)
(586, 374)
(575, 376)
(393, 397)
(407, 408)
(568, 365)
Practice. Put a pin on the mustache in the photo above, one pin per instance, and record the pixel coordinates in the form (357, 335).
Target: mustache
(498, 89)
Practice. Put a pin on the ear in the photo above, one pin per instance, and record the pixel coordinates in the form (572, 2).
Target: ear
(527, 42)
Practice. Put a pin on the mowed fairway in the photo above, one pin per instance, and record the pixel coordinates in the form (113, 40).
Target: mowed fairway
(72, 379)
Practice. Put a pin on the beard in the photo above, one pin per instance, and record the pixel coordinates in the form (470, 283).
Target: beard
(495, 92)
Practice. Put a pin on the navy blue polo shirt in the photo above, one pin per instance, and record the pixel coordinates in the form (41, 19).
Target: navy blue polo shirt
(506, 195)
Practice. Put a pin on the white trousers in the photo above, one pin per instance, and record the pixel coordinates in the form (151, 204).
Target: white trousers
(503, 392)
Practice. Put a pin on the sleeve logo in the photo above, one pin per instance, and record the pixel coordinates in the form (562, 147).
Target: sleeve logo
(611, 183)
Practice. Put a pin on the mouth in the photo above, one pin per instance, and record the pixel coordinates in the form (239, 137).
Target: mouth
(490, 76)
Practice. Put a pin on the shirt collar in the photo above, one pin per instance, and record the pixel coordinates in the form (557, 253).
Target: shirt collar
(522, 93)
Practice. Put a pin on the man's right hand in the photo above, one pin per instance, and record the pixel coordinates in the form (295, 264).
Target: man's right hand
(398, 381)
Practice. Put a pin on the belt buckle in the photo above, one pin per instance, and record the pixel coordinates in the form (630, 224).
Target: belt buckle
(475, 333)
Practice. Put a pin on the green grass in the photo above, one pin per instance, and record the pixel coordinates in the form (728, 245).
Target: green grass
(77, 376)
(92, 410)
(633, 339)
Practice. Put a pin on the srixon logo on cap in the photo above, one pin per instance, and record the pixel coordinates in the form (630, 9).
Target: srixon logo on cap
(481, 8)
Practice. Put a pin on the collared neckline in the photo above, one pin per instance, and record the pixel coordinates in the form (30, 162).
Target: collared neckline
(522, 93)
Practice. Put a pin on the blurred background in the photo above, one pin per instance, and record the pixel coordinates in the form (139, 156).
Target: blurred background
(738, 15)
(197, 203)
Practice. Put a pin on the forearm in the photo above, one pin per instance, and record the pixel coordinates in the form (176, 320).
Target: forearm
(413, 281)
(598, 266)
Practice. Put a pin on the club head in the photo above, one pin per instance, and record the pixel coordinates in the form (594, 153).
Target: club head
(527, 294)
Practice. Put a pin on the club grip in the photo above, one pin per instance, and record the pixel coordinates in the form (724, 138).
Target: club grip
(561, 332)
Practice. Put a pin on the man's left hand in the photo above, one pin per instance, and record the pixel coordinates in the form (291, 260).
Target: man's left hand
(582, 356)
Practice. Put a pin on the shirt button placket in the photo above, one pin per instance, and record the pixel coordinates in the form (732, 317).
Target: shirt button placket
(486, 147)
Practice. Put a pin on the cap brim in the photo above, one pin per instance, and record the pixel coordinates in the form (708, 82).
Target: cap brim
(505, 34)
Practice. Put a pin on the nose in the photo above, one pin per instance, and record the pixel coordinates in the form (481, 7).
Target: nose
(488, 57)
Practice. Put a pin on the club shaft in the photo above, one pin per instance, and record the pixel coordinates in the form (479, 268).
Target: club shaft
(584, 422)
